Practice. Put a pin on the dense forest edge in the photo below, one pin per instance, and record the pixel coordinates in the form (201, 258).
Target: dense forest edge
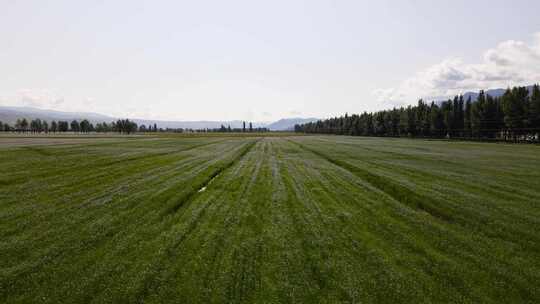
(514, 116)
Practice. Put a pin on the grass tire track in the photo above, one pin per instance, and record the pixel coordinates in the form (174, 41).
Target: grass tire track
(195, 190)
(396, 191)
(149, 283)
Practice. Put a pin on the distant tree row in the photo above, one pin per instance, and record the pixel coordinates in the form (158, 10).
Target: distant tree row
(122, 126)
(221, 129)
(513, 116)
(228, 129)
(150, 128)
(37, 125)
(244, 127)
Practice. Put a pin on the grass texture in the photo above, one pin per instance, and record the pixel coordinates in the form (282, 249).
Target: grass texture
(280, 219)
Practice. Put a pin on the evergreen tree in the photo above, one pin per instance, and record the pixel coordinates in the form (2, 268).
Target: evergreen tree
(63, 126)
(75, 127)
(458, 123)
(54, 126)
(380, 128)
(411, 121)
(534, 110)
(467, 119)
(437, 121)
(85, 126)
(395, 122)
(24, 125)
(514, 101)
(426, 121)
(448, 117)
(477, 115)
(35, 125)
(490, 123)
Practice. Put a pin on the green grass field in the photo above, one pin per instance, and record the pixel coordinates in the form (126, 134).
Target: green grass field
(312, 219)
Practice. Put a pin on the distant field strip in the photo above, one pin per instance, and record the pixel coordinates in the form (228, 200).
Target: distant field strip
(308, 219)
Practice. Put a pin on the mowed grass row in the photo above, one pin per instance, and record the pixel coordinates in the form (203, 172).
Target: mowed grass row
(280, 220)
(56, 226)
(474, 209)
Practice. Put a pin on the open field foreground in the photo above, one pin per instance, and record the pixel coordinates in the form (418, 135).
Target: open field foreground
(313, 219)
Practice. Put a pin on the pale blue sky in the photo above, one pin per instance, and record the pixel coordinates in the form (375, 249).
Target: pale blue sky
(255, 60)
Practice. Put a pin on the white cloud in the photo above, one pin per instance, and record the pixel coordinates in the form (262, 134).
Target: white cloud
(44, 99)
(509, 63)
(47, 99)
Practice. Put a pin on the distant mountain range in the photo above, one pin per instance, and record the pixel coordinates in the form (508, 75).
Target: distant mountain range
(492, 93)
(287, 124)
(11, 114)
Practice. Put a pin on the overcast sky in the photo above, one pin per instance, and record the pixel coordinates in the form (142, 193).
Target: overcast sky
(259, 60)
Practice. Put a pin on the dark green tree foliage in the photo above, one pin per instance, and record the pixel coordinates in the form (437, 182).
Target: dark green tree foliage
(477, 116)
(36, 125)
(380, 127)
(514, 103)
(515, 115)
(534, 109)
(458, 114)
(394, 122)
(74, 126)
(54, 126)
(437, 121)
(21, 125)
(448, 117)
(411, 121)
(63, 126)
(86, 126)
(125, 126)
(423, 122)
(467, 118)
(103, 127)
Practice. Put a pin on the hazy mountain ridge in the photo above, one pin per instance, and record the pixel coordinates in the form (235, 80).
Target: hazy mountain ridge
(287, 124)
(11, 114)
(492, 93)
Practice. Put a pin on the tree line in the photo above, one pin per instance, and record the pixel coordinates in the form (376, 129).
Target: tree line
(126, 126)
(22, 125)
(244, 129)
(513, 116)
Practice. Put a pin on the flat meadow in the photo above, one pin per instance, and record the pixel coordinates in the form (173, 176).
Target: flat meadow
(171, 218)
